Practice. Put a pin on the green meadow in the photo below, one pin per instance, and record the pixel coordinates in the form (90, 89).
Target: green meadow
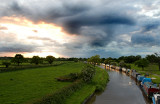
(27, 86)
(18, 87)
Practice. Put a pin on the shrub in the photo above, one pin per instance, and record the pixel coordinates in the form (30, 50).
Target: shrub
(6, 64)
(60, 96)
(87, 73)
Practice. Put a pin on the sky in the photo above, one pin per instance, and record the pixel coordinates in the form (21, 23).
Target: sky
(79, 28)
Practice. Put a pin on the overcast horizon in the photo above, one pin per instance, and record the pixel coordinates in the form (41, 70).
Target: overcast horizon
(79, 28)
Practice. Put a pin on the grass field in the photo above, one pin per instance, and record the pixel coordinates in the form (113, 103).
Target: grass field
(19, 87)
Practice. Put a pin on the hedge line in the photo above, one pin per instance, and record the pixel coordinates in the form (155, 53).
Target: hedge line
(60, 96)
(26, 67)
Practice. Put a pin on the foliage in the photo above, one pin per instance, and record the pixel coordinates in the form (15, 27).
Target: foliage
(113, 63)
(6, 63)
(95, 59)
(50, 59)
(158, 59)
(130, 59)
(98, 84)
(74, 76)
(36, 60)
(128, 66)
(122, 64)
(142, 63)
(151, 58)
(60, 96)
(76, 60)
(18, 59)
(28, 66)
(108, 61)
(87, 73)
(69, 78)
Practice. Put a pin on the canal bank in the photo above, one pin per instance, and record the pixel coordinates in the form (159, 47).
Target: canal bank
(121, 89)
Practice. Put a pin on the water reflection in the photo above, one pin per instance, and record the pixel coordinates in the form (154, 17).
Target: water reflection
(121, 89)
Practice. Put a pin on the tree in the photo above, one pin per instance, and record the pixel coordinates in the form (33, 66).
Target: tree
(122, 64)
(36, 60)
(142, 63)
(152, 58)
(88, 72)
(50, 59)
(18, 59)
(158, 59)
(130, 59)
(6, 63)
(108, 61)
(95, 59)
(113, 63)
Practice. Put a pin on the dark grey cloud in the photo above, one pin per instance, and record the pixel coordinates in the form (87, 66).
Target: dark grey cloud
(17, 48)
(152, 26)
(143, 39)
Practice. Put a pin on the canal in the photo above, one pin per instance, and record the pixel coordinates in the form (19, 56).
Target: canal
(121, 89)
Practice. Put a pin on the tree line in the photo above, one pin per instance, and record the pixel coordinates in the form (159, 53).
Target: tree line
(19, 59)
(125, 61)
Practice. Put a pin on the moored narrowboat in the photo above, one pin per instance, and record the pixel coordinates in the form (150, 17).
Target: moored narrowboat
(140, 78)
(156, 99)
(134, 74)
(146, 80)
(124, 69)
(118, 68)
(128, 71)
(149, 89)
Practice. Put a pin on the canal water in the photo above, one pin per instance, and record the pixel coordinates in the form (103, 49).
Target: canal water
(121, 89)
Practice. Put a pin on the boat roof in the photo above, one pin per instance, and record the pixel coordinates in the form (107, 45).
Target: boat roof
(148, 84)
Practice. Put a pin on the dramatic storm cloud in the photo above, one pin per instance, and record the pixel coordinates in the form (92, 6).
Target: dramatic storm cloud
(80, 28)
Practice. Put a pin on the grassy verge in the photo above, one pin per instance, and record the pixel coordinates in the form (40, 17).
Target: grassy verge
(18, 87)
(98, 84)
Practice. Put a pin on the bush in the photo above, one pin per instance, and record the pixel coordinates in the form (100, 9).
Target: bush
(74, 76)
(87, 73)
(60, 96)
(6, 64)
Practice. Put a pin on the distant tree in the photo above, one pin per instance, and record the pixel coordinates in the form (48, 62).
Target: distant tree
(36, 60)
(102, 60)
(128, 66)
(89, 60)
(122, 64)
(75, 59)
(152, 58)
(130, 59)
(6, 63)
(107, 61)
(113, 63)
(50, 59)
(142, 63)
(95, 59)
(18, 59)
(158, 59)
